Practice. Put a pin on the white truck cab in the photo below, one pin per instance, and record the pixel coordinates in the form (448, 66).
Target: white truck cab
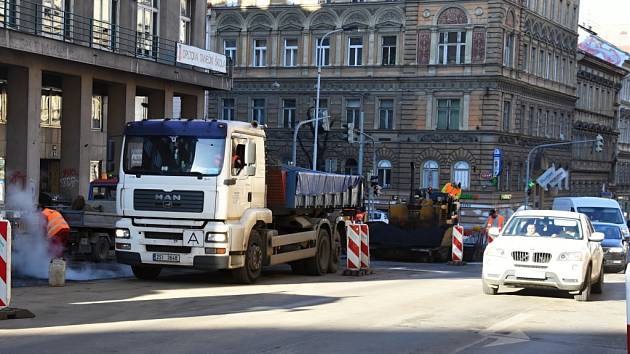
(192, 193)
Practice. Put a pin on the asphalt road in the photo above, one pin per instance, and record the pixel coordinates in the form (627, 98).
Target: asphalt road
(403, 308)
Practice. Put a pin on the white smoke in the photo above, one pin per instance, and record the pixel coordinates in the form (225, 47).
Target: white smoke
(31, 252)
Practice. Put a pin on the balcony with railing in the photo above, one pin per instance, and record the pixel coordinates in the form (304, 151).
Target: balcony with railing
(54, 23)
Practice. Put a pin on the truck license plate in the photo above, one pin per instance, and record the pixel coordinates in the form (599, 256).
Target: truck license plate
(530, 274)
(166, 257)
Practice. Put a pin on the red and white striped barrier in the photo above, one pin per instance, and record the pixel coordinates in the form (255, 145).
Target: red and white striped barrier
(628, 307)
(5, 263)
(365, 247)
(353, 245)
(458, 244)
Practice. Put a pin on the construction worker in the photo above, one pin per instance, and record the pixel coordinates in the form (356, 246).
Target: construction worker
(494, 220)
(452, 189)
(57, 231)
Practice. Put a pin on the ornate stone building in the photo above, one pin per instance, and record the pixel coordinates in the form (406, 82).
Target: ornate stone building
(442, 84)
(622, 180)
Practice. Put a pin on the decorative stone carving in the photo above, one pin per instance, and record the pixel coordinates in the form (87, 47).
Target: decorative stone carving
(424, 47)
(291, 21)
(357, 18)
(452, 16)
(426, 13)
(478, 46)
(323, 20)
(390, 18)
(479, 11)
(509, 19)
(260, 22)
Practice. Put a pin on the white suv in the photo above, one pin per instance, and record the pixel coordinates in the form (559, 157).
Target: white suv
(548, 249)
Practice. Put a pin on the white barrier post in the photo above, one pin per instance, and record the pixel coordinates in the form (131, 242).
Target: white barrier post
(457, 254)
(365, 247)
(5, 263)
(353, 245)
(628, 307)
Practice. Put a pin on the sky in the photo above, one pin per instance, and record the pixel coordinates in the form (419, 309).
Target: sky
(609, 18)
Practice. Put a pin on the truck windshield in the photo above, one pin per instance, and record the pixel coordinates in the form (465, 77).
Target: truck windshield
(544, 226)
(173, 155)
(609, 215)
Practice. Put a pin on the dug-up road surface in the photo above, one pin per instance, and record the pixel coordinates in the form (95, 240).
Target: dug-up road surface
(402, 308)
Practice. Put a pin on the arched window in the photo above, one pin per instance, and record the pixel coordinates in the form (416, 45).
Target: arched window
(430, 175)
(351, 167)
(461, 174)
(384, 173)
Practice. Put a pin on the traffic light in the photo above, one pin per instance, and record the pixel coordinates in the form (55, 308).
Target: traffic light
(349, 134)
(599, 143)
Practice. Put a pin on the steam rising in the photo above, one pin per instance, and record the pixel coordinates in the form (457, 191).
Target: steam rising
(31, 250)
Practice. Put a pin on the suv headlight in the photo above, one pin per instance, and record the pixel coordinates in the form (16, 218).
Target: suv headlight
(571, 256)
(496, 252)
(615, 250)
(212, 237)
(122, 233)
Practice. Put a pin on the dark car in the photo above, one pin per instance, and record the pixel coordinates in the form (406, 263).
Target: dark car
(615, 247)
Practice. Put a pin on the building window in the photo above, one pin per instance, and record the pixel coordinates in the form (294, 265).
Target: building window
(355, 51)
(229, 49)
(507, 114)
(389, 50)
(147, 27)
(290, 52)
(386, 114)
(99, 111)
(184, 21)
(54, 19)
(525, 57)
(530, 121)
(258, 110)
(95, 170)
(461, 174)
(3, 103)
(260, 52)
(228, 109)
(549, 66)
(323, 49)
(384, 169)
(533, 62)
(323, 108)
(331, 165)
(104, 22)
(541, 67)
(452, 47)
(508, 50)
(8, 17)
(353, 110)
(288, 112)
(448, 114)
(538, 118)
(141, 107)
(51, 108)
(430, 175)
(351, 167)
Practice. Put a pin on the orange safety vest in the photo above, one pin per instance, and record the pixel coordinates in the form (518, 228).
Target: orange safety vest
(498, 222)
(55, 223)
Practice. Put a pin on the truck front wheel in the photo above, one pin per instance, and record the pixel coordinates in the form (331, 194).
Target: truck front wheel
(252, 269)
(100, 249)
(318, 265)
(146, 272)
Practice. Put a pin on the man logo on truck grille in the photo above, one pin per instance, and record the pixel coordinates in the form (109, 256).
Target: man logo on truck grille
(167, 199)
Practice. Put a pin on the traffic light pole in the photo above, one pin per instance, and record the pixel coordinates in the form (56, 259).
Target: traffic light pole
(599, 143)
(361, 143)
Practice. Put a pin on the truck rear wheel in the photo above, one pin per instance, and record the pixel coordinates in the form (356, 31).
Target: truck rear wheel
(100, 249)
(252, 269)
(333, 264)
(318, 265)
(146, 272)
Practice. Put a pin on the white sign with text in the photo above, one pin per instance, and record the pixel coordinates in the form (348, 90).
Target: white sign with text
(202, 58)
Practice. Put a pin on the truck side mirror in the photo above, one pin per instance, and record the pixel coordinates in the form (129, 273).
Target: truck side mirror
(250, 154)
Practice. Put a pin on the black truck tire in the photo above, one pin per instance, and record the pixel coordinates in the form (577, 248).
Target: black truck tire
(100, 249)
(254, 255)
(335, 256)
(318, 265)
(146, 272)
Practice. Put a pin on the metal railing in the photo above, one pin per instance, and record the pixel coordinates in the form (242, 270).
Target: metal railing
(27, 17)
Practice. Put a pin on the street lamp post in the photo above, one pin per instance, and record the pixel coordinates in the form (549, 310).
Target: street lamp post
(320, 54)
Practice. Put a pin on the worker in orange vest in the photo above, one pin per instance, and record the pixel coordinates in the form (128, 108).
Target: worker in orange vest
(57, 231)
(494, 220)
(452, 189)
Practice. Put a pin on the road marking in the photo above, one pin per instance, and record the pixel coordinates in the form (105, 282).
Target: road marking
(490, 333)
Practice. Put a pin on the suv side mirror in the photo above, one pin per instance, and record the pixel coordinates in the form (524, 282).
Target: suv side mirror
(494, 232)
(596, 237)
(250, 153)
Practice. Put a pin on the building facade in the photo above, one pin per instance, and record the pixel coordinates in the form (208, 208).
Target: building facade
(441, 84)
(596, 113)
(72, 73)
(622, 170)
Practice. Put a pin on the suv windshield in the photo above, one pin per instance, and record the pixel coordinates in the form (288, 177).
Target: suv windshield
(544, 226)
(173, 155)
(610, 232)
(609, 215)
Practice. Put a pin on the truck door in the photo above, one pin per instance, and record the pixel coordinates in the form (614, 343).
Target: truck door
(240, 193)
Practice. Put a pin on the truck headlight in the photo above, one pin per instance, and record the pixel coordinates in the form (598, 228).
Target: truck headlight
(496, 252)
(122, 233)
(615, 250)
(212, 237)
(571, 256)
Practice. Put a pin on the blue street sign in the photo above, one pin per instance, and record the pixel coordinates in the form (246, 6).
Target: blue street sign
(496, 163)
